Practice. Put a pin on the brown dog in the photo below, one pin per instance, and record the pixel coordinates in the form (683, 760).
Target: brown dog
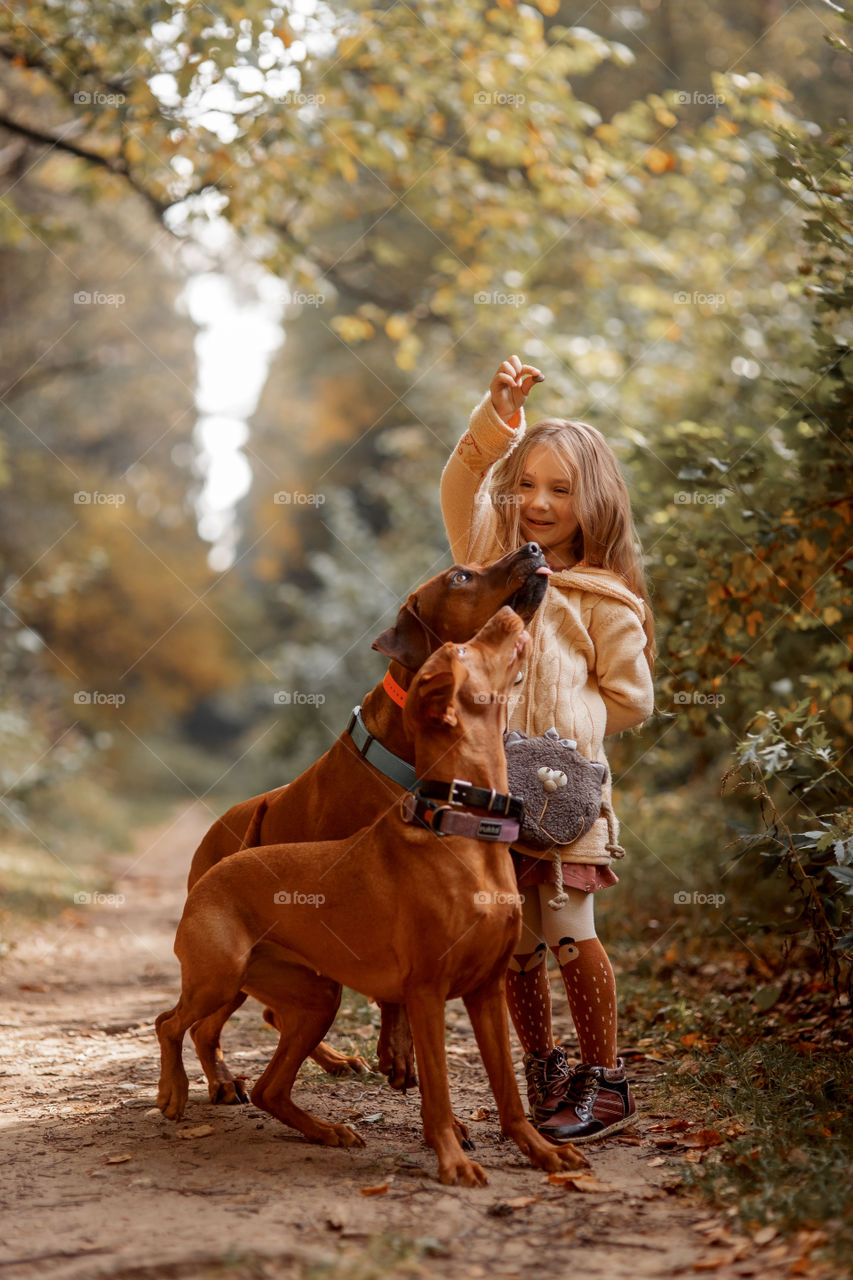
(396, 911)
(451, 606)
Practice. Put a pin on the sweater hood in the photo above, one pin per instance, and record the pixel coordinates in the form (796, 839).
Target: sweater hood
(602, 582)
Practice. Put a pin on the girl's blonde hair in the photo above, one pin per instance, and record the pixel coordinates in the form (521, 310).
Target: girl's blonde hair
(605, 536)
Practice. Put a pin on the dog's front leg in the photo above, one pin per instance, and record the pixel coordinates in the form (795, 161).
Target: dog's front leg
(487, 1010)
(426, 1015)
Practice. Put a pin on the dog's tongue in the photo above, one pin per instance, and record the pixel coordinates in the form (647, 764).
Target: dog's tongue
(544, 569)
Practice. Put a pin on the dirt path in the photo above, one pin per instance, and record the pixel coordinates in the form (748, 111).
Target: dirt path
(94, 1182)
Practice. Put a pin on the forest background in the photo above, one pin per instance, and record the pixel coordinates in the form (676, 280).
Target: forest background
(258, 263)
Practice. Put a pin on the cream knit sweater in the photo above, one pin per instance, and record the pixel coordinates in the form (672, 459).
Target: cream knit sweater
(586, 673)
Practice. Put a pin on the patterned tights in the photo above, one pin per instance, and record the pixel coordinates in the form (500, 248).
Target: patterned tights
(588, 977)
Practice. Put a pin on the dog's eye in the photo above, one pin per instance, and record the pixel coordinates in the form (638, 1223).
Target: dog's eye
(461, 651)
(462, 576)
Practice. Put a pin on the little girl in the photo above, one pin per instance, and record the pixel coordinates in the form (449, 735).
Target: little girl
(588, 674)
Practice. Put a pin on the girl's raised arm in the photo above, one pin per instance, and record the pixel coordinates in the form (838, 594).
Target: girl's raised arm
(495, 424)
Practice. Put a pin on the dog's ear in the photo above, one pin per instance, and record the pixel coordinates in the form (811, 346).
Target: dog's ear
(408, 641)
(432, 697)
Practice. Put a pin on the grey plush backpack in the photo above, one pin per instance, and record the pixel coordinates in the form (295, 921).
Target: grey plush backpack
(563, 796)
(561, 789)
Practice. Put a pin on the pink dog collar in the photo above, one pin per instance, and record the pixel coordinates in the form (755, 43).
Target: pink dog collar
(445, 820)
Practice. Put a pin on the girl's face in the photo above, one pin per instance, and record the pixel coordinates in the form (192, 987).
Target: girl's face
(547, 509)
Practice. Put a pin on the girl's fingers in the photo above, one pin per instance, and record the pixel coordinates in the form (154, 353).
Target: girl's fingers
(513, 372)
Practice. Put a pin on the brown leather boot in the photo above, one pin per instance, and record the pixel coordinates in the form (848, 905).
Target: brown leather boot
(547, 1080)
(595, 1103)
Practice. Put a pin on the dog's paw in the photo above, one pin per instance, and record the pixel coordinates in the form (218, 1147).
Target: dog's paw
(569, 1158)
(339, 1135)
(338, 1064)
(228, 1093)
(172, 1099)
(544, 1154)
(398, 1068)
(552, 1158)
(461, 1172)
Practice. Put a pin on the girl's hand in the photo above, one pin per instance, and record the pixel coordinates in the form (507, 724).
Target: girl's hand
(511, 385)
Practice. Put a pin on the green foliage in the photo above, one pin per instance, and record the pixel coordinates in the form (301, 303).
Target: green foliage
(796, 570)
(790, 767)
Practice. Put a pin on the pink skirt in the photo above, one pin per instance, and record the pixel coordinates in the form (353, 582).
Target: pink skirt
(576, 875)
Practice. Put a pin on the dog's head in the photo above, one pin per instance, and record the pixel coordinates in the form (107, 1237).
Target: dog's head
(463, 685)
(455, 605)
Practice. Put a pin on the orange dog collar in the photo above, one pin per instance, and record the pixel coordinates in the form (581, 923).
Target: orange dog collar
(395, 691)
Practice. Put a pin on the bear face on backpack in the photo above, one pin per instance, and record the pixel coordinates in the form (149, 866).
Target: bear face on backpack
(561, 789)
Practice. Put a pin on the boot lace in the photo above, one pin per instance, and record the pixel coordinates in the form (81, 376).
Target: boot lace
(549, 1076)
(556, 1067)
(582, 1088)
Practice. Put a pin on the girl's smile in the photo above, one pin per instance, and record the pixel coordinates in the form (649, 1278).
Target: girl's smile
(547, 508)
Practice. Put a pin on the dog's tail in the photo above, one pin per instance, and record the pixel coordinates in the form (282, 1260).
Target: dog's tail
(252, 838)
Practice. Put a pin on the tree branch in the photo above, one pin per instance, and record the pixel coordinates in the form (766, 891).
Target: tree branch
(113, 165)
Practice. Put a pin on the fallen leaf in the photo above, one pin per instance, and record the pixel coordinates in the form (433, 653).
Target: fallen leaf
(657, 1162)
(703, 1139)
(580, 1182)
(594, 1184)
(196, 1131)
(482, 1113)
(117, 1159)
(375, 1118)
(32, 986)
(522, 1202)
(380, 1189)
(765, 1235)
(671, 1126)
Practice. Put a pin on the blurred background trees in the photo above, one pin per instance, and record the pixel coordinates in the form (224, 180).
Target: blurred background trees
(650, 202)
